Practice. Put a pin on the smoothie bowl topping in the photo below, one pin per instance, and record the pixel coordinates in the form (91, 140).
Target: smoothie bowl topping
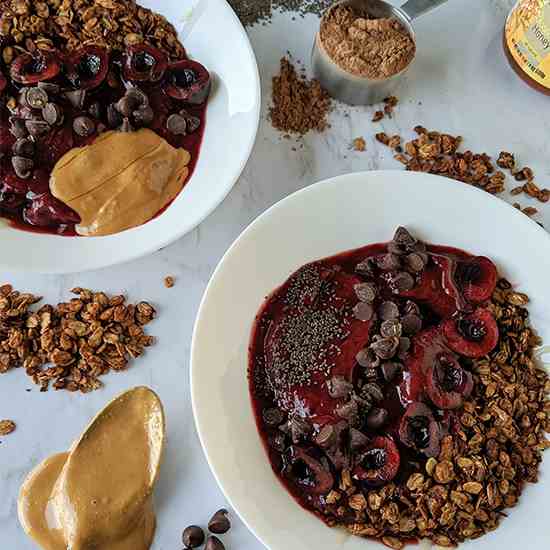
(396, 393)
(132, 115)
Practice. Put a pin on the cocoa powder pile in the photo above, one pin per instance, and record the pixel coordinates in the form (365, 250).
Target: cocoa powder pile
(364, 46)
(299, 104)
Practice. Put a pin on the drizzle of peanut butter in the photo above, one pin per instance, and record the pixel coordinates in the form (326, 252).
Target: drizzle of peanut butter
(99, 494)
(119, 181)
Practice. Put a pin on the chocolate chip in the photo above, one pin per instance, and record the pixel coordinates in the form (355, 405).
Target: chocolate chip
(193, 123)
(273, 417)
(37, 128)
(52, 114)
(131, 101)
(367, 358)
(126, 126)
(144, 115)
(388, 262)
(95, 110)
(390, 369)
(402, 282)
(416, 261)
(348, 411)
(176, 125)
(219, 523)
(397, 249)
(76, 98)
(36, 98)
(412, 323)
(365, 268)
(385, 348)
(403, 237)
(339, 387)
(326, 437)
(357, 439)
(278, 442)
(376, 418)
(193, 536)
(391, 327)
(49, 88)
(366, 292)
(388, 310)
(363, 311)
(24, 147)
(18, 127)
(83, 126)
(214, 543)
(373, 391)
(114, 118)
(411, 307)
(22, 166)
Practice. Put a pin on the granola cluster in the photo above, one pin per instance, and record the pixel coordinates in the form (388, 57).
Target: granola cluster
(483, 465)
(73, 344)
(71, 24)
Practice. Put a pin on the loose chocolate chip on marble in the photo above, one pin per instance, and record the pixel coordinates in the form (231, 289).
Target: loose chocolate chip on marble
(177, 125)
(114, 118)
(391, 327)
(273, 416)
(219, 523)
(95, 109)
(326, 437)
(22, 166)
(37, 128)
(144, 115)
(339, 387)
(388, 310)
(76, 98)
(18, 127)
(363, 311)
(367, 359)
(411, 323)
(365, 268)
(373, 391)
(24, 147)
(376, 418)
(84, 126)
(193, 536)
(366, 292)
(402, 282)
(357, 439)
(214, 543)
(388, 262)
(126, 126)
(385, 348)
(52, 114)
(36, 98)
(49, 88)
(416, 261)
(390, 369)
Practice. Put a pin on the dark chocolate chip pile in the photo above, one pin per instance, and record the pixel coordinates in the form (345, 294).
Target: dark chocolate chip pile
(194, 537)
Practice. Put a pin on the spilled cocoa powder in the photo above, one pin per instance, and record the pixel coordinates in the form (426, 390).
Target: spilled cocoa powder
(364, 46)
(299, 104)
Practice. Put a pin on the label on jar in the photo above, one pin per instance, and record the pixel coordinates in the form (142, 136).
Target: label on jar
(528, 38)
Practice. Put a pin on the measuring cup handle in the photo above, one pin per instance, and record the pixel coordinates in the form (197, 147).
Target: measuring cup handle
(416, 8)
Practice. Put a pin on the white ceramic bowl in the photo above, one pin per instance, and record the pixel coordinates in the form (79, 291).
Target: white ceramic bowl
(338, 214)
(232, 119)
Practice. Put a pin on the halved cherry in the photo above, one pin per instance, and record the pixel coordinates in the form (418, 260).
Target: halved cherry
(477, 278)
(447, 383)
(87, 68)
(379, 463)
(419, 430)
(189, 81)
(37, 67)
(308, 473)
(473, 335)
(143, 63)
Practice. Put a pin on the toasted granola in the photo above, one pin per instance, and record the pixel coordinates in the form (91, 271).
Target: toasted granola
(7, 427)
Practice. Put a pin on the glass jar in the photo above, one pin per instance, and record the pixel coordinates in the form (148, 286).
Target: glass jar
(527, 42)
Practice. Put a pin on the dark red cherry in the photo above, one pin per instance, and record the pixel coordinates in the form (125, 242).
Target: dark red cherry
(447, 383)
(189, 81)
(308, 473)
(476, 278)
(45, 210)
(143, 63)
(473, 335)
(87, 68)
(37, 67)
(379, 463)
(419, 430)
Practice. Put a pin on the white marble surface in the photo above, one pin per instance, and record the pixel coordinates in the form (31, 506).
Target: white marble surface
(461, 84)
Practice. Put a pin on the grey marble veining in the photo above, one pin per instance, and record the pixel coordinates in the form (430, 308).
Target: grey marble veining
(461, 84)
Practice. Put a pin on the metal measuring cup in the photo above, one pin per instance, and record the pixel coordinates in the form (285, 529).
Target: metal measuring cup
(357, 90)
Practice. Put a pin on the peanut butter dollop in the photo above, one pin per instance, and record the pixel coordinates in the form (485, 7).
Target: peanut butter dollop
(99, 494)
(121, 180)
